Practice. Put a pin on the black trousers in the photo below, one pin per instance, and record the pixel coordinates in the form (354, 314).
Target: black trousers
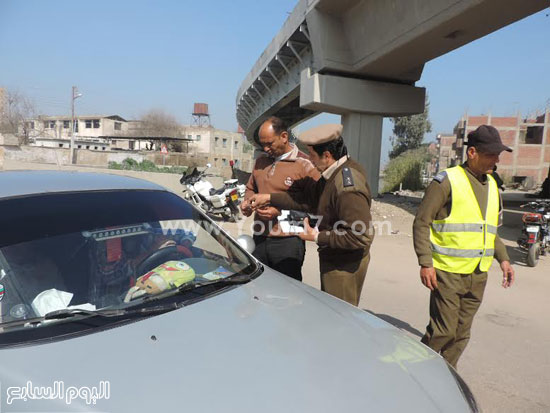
(283, 254)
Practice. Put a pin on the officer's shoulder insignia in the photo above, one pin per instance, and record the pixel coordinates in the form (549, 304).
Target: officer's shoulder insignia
(440, 177)
(347, 177)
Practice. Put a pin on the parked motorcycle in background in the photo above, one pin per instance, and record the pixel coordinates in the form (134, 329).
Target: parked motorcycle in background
(535, 233)
(223, 201)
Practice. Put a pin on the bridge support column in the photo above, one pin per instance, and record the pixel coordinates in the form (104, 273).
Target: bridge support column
(362, 105)
(363, 137)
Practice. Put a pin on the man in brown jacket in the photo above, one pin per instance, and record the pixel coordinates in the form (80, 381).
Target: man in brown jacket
(284, 166)
(342, 199)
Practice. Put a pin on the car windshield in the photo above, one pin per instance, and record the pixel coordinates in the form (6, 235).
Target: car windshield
(115, 266)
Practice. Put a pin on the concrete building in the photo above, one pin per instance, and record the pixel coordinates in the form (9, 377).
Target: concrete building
(528, 137)
(114, 133)
(221, 146)
(446, 150)
(93, 132)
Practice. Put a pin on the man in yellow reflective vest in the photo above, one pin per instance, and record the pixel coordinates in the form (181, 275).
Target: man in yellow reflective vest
(455, 239)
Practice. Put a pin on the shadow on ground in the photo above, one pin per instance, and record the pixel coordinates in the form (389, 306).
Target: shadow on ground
(402, 325)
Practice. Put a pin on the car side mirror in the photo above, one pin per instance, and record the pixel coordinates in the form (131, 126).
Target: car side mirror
(247, 242)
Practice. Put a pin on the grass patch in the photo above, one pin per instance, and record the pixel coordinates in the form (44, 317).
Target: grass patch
(130, 164)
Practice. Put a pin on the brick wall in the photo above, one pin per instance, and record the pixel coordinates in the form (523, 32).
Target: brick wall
(547, 155)
(447, 140)
(529, 155)
(506, 158)
(504, 122)
(528, 172)
(475, 121)
(508, 137)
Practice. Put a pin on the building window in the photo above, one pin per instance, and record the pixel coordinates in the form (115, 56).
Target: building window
(531, 135)
(224, 142)
(198, 137)
(87, 146)
(216, 139)
(49, 124)
(66, 124)
(113, 142)
(96, 123)
(95, 148)
(190, 137)
(224, 162)
(88, 123)
(131, 145)
(30, 125)
(103, 148)
(60, 145)
(52, 124)
(118, 126)
(79, 146)
(236, 144)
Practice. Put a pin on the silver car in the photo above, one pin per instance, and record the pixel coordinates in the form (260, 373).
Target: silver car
(116, 295)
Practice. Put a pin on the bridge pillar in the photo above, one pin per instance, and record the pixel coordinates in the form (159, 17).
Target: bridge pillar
(363, 104)
(363, 137)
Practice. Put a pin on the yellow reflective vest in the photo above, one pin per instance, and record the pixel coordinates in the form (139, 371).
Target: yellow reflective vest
(464, 240)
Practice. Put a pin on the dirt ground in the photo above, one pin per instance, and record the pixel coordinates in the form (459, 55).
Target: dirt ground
(507, 363)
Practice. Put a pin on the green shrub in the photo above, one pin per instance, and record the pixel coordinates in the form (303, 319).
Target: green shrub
(145, 166)
(405, 169)
(129, 164)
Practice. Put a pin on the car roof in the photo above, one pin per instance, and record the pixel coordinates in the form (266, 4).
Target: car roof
(25, 183)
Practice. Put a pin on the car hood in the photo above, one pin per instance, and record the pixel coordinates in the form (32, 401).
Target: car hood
(272, 345)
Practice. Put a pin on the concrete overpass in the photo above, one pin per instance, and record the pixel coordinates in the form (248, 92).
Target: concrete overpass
(361, 59)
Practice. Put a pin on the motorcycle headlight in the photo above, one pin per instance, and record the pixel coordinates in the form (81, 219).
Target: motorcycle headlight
(466, 392)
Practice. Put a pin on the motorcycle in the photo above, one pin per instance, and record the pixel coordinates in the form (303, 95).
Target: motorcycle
(535, 232)
(223, 201)
(234, 183)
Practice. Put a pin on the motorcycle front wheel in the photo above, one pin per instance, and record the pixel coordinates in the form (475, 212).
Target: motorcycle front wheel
(533, 254)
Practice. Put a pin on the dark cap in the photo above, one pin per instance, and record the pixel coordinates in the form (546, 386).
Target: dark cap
(487, 139)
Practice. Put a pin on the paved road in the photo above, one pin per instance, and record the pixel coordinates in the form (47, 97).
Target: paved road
(507, 363)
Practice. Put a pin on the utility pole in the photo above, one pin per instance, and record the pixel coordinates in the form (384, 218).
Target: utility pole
(75, 95)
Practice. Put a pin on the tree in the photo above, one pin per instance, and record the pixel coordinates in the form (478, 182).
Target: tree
(409, 131)
(16, 113)
(157, 123)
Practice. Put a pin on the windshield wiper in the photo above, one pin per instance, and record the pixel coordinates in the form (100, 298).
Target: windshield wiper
(71, 312)
(221, 282)
(74, 312)
(62, 314)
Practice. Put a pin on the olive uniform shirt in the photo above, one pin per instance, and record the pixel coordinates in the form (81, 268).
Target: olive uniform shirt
(436, 205)
(345, 231)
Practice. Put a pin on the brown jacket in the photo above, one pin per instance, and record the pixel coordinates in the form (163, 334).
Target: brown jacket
(436, 205)
(341, 205)
(269, 176)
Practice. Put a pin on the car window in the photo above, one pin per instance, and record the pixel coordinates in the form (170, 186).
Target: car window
(114, 266)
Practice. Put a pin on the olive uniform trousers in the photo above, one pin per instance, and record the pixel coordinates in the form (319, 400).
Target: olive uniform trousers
(453, 306)
(344, 278)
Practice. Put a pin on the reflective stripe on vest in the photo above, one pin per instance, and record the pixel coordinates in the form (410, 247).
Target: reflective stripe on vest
(463, 228)
(464, 240)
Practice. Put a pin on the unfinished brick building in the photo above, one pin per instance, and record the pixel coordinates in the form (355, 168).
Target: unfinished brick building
(528, 164)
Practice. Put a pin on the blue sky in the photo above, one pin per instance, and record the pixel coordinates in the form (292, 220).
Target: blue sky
(127, 57)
